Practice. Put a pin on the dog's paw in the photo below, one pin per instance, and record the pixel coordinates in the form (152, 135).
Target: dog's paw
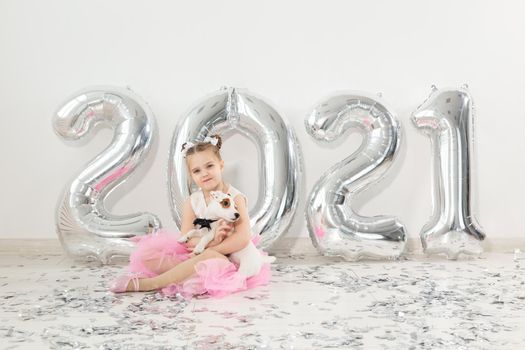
(268, 259)
(182, 239)
(198, 250)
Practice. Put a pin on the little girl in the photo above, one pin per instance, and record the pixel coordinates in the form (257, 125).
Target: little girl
(160, 262)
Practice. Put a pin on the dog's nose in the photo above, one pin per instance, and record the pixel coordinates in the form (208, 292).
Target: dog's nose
(237, 215)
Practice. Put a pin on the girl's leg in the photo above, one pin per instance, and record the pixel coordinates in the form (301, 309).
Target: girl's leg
(177, 273)
(160, 265)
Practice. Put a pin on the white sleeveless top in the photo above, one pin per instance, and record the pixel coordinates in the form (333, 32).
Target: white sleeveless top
(198, 202)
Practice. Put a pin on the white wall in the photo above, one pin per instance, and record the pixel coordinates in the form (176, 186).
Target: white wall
(294, 53)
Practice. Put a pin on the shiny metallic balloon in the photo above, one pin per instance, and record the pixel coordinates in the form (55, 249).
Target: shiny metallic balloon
(229, 111)
(447, 117)
(335, 229)
(85, 228)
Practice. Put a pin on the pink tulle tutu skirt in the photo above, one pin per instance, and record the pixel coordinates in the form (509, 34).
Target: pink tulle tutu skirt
(214, 277)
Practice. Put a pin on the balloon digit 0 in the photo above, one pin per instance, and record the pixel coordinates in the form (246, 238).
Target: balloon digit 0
(228, 111)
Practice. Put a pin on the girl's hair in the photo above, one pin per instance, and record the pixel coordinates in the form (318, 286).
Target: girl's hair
(203, 146)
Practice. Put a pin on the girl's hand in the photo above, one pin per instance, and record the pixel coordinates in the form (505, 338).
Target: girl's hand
(224, 230)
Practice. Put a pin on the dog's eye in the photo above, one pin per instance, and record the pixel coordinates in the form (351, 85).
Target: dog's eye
(225, 203)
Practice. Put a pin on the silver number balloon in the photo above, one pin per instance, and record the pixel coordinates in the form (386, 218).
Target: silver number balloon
(230, 111)
(85, 228)
(334, 227)
(447, 117)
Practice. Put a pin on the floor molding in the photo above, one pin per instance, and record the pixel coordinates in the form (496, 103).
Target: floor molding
(291, 245)
(495, 245)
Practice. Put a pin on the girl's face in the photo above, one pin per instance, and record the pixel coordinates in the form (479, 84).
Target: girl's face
(206, 170)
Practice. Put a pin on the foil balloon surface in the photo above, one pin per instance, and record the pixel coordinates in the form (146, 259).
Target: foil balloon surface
(334, 227)
(85, 227)
(229, 111)
(447, 118)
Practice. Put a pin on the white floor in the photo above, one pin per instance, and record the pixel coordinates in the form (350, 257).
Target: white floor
(48, 301)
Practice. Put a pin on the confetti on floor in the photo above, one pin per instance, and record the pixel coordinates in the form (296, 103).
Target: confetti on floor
(49, 301)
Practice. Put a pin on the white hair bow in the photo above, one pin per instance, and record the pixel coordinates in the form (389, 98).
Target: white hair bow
(185, 147)
(190, 144)
(212, 140)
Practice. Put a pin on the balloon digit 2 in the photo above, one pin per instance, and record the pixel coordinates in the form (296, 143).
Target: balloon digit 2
(335, 229)
(85, 228)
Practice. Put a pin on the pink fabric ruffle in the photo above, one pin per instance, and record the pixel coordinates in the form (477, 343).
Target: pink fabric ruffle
(215, 277)
(218, 278)
(161, 245)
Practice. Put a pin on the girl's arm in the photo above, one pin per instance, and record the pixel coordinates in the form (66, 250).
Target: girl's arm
(241, 235)
(188, 216)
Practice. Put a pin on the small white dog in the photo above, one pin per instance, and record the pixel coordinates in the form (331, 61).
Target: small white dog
(222, 206)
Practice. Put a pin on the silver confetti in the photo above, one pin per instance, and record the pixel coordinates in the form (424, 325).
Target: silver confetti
(312, 302)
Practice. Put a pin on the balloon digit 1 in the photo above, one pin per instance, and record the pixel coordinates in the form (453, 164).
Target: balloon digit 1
(85, 228)
(334, 227)
(228, 111)
(446, 116)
